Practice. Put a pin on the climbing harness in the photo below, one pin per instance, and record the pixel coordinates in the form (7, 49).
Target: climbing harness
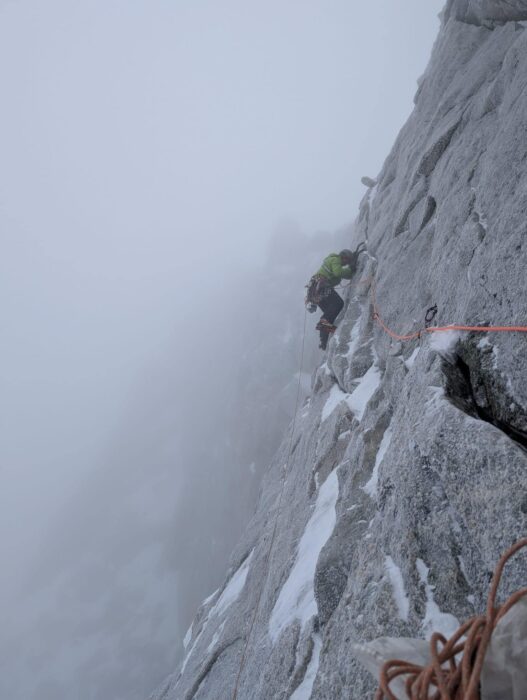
(454, 672)
(275, 525)
(318, 289)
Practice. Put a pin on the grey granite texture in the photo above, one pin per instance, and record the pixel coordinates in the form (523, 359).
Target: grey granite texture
(482, 11)
(428, 438)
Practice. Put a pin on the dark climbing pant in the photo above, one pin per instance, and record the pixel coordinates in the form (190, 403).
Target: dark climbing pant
(331, 306)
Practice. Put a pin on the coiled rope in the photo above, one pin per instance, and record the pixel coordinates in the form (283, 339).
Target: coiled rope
(275, 525)
(446, 678)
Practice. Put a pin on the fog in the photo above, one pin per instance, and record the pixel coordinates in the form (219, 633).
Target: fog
(170, 175)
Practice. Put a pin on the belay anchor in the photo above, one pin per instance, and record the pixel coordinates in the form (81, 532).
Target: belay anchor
(430, 315)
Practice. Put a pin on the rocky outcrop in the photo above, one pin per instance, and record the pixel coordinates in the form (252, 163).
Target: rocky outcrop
(481, 11)
(404, 475)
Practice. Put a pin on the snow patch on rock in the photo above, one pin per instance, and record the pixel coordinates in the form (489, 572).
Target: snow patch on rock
(191, 651)
(216, 638)
(353, 341)
(297, 597)
(435, 620)
(410, 361)
(371, 487)
(335, 397)
(303, 692)
(233, 588)
(399, 592)
(366, 388)
(444, 342)
(358, 399)
(188, 636)
(227, 598)
(211, 597)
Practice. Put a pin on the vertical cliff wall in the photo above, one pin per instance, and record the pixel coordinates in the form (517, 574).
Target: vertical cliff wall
(405, 474)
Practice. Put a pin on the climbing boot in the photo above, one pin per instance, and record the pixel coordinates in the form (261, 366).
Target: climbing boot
(326, 326)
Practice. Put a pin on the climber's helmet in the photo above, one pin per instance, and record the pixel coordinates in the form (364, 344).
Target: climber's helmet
(346, 256)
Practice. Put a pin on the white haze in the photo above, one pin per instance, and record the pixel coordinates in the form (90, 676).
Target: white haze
(148, 151)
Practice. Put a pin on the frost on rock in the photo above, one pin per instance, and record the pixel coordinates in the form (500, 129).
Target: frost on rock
(371, 486)
(216, 637)
(304, 690)
(479, 12)
(444, 343)
(227, 598)
(435, 620)
(297, 597)
(194, 645)
(353, 341)
(411, 360)
(504, 670)
(373, 655)
(486, 346)
(233, 588)
(400, 597)
(188, 636)
(358, 399)
(335, 398)
(504, 673)
(211, 597)
(451, 494)
(366, 388)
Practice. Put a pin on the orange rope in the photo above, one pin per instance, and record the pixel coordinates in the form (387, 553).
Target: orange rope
(455, 681)
(437, 329)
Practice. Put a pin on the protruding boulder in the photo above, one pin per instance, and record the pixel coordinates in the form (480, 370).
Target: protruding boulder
(368, 181)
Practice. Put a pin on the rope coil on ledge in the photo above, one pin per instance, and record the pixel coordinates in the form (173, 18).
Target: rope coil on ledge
(446, 678)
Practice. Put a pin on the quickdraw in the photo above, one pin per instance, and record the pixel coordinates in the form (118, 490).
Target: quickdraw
(431, 313)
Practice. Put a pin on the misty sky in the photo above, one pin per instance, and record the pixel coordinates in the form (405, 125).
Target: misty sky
(148, 149)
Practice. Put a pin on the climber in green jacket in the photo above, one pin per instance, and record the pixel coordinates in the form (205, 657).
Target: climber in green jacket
(321, 292)
(336, 267)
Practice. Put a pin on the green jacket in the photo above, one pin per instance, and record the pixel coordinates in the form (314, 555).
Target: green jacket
(333, 270)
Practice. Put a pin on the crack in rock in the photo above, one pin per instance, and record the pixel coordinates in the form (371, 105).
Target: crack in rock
(462, 393)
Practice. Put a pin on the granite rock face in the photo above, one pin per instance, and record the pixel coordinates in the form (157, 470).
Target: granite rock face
(404, 476)
(481, 11)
